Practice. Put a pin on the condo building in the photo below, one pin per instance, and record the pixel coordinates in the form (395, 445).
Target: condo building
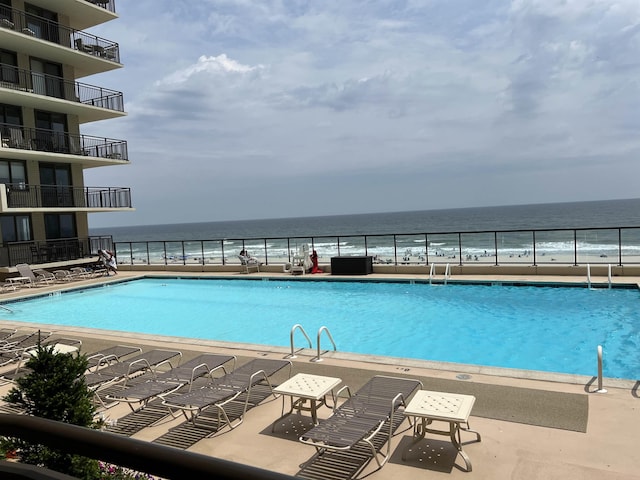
(48, 60)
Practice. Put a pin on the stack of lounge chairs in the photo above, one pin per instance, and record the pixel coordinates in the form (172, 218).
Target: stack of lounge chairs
(20, 353)
(13, 348)
(28, 277)
(222, 390)
(151, 385)
(122, 371)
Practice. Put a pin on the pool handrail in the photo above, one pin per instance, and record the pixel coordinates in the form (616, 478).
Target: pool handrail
(318, 357)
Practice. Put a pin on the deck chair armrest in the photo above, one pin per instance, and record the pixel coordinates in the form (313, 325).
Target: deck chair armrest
(104, 360)
(215, 370)
(397, 401)
(342, 389)
(155, 368)
(135, 362)
(262, 373)
(196, 368)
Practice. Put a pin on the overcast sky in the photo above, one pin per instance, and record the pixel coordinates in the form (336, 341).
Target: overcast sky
(246, 109)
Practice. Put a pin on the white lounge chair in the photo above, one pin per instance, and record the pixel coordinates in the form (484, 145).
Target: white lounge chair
(31, 278)
(248, 263)
(302, 261)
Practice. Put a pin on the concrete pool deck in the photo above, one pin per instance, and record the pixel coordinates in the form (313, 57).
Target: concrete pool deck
(509, 449)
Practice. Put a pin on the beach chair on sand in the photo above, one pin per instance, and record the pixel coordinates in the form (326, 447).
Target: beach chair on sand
(221, 391)
(150, 385)
(373, 410)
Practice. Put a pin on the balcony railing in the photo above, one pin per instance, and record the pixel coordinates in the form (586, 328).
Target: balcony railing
(53, 250)
(48, 30)
(139, 455)
(23, 195)
(52, 86)
(618, 246)
(106, 4)
(42, 140)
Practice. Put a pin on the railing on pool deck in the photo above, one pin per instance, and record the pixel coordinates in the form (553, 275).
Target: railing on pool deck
(141, 456)
(618, 246)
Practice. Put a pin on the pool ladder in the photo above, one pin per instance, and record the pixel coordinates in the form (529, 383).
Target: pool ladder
(317, 358)
(447, 272)
(589, 275)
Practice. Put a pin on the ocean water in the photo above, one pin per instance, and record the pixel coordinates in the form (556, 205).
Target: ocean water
(415, 237)
(597, 214)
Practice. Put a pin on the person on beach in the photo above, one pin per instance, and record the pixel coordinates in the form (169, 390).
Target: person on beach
(109, 261)
(314, 261)
(244, 256)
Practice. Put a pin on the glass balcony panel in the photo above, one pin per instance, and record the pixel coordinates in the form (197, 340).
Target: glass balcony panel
(555, 246)
(478, 248)
(514, 247)
(212, 252)
(381, 248)
(348, 246)
(630, 246)
(442, 247)
(276, 251)
(597, 246)
(174, 253)
(411, 249)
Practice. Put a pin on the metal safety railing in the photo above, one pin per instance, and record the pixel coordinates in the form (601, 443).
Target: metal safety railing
(596, 246)
(141, 456)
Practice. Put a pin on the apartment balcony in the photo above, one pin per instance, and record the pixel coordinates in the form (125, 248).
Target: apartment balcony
(39, 37)
(31, 89)
(25, 197)
(81, 13)
(22, 143)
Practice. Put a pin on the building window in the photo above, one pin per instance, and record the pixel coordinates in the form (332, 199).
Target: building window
(46, 78)
(8, 67)
(15, 228)
(42, 23)
(60, 225)
(6, 15)
(56, 186)
(51, 132)
(10, 114)
(13, 172)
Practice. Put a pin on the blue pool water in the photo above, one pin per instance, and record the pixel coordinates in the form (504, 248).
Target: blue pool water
(536, 328)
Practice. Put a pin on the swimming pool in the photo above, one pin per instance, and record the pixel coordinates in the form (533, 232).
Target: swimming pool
(535, 328)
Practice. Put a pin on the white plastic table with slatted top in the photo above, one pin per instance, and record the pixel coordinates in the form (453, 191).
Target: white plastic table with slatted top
(427, 406)
(306, 393)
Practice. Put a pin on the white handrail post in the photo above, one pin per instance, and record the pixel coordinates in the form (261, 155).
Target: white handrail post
(609, 275)
(588, 275)
(318, 357)
(293, 330)
(433, 267)
(600, 388)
